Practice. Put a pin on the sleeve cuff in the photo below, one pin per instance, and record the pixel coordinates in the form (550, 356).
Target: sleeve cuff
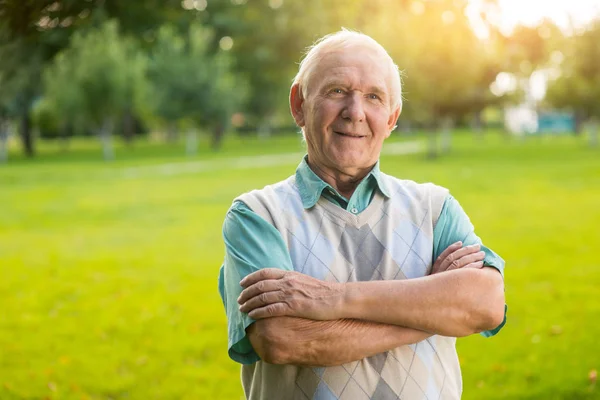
(240, 349)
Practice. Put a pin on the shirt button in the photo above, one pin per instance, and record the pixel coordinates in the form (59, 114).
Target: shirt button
(354, 210)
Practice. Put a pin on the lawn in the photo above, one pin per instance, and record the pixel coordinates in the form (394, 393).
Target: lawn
(108, 284)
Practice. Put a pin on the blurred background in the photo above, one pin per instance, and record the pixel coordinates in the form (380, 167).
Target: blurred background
(127, 128)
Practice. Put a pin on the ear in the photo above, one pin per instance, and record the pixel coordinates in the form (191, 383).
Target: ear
(393, 118)
(296, 103)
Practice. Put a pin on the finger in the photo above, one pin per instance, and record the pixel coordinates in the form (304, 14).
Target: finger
(262, 274)
(448, 250)
(458, 254)
(272, 310)
(477, 265)
(268, 285)
(263, 299)
(466, 260)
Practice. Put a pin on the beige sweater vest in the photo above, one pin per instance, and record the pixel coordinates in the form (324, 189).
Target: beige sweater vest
(391, 239)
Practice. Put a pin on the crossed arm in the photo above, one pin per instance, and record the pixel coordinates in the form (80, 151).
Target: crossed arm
(305, 321)
(299, 341)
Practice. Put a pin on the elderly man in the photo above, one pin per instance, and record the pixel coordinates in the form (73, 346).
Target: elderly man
(342, 282)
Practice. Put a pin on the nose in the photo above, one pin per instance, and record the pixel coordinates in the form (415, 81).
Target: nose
(353, 109)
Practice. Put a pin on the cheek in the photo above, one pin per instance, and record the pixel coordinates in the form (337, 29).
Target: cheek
(327, 112)
(379, 123)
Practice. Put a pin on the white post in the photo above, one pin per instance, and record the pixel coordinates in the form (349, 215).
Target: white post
(106, 138)
(191, 145)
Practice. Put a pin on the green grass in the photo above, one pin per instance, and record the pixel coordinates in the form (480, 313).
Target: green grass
(108, 285)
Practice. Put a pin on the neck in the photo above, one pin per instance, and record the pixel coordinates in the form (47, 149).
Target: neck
(345, 182)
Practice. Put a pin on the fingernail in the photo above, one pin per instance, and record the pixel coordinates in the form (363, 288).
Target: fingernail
(459, 243)
(481, 253)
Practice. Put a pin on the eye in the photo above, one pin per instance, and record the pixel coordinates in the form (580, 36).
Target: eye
(336, 91)
(373, 96)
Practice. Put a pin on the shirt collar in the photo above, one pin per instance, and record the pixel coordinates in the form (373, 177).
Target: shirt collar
(311, 186)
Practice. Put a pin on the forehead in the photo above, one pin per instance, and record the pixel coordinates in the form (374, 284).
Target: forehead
(359, 67)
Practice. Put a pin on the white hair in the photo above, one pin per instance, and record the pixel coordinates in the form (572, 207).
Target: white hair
(345, 39)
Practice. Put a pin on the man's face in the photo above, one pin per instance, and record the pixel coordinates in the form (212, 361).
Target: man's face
(346, 113)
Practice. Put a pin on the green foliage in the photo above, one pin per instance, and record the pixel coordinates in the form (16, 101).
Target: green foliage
(97, 78)
(578, 86)
(19, 73)
(443, 67)
(45, 119)
(191, 84)
(113, 293)
(447, 69)
(268, 41)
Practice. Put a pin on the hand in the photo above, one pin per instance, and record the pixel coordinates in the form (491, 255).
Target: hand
(273, 292)
(455, 256)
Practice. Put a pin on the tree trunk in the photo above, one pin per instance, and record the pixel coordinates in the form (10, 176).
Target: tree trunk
(128, 127)
(106, 138)
(478, 124)
(172, 133)
(217, 138)
(66, 130)
(191, 144)
(432, 148)
(578, 123)
(3, 141)
(447, 126)
(26, 134)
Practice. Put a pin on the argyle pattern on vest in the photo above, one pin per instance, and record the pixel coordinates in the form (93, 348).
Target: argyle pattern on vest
(391, 239)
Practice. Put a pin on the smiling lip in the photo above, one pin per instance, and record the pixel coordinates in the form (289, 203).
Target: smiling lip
(350, 135)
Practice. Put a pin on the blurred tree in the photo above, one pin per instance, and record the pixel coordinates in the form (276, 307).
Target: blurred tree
(193, 86)
(527, 51)
(48, 124)
(98, 78)
(447, 70)
(4, 127)
(34, 31)
(267, 39)
(528, 48)
(4, 131)
(20, 69)
(228, 94)
(577, 87)
(5, 99)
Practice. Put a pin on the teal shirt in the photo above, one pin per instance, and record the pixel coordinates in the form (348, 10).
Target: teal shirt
(251, 243)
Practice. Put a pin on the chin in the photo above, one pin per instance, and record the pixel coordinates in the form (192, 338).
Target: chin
(348, 161)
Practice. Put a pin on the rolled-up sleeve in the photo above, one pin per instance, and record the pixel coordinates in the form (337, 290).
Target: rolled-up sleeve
(251, 243)
(454, 225)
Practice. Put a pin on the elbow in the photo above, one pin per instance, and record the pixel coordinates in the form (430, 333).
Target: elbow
(486, 311)
(490, 309)
(267, 342)
(491, 318)
(274, 356)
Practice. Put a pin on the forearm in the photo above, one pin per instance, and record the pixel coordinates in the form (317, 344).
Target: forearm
(298, 341)
(454, 303)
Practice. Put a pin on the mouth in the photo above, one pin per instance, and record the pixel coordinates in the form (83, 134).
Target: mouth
(350, 135)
